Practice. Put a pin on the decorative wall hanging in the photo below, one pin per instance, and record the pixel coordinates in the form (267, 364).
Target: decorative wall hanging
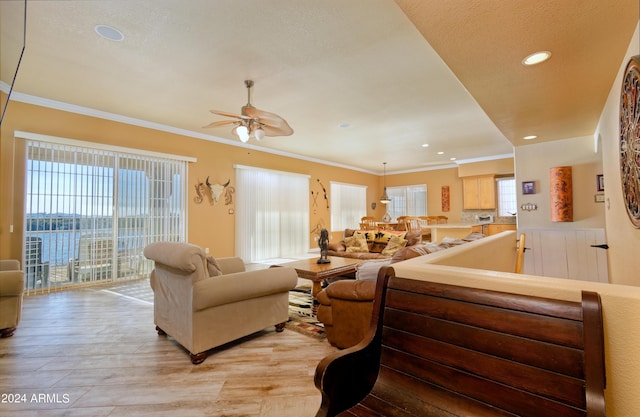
(228, 195)
(324, 192)
(445, 198)
(201, 190)
(528, 187)
(630, 139)
(216, 190)
(561, 194)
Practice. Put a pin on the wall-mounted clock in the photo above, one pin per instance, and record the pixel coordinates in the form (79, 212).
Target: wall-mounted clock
(630, 139)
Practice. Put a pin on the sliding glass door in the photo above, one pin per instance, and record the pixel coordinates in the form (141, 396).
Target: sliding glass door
(89, 213)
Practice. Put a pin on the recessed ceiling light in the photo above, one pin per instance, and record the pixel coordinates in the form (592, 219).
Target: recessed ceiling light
(425, 145)
(440, 153)
(529, 137)
(109, 32)
(452, 159)
(536, 58)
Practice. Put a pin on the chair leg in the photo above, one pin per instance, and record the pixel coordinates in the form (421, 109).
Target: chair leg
(280, 327)
(198, 358)
(8, 332)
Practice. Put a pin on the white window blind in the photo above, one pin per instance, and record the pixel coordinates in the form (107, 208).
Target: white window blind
(410, 200)
(272, 214)
(348, 205)
(89, 212)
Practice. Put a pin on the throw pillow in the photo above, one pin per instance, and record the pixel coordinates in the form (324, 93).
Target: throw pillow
(368, 236)
(368, 270)
(356, 244)
(395, 243)
(385, 236)
(212, 267)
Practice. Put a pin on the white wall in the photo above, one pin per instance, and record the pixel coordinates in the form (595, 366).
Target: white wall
(623, 239)
(533, 163)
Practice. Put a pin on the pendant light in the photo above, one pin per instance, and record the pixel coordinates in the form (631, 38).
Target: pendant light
(385, 198)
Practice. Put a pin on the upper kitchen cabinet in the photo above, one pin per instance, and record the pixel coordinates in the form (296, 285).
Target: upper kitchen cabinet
(479, 192)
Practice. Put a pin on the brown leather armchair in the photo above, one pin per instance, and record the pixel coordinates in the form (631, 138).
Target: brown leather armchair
(345, 306)
(345, 309)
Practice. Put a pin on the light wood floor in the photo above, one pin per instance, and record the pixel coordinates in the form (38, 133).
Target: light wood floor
(88, 352)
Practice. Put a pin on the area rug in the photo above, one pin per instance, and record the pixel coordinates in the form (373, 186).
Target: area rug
(301, 317)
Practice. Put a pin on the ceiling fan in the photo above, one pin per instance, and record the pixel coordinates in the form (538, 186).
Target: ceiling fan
(253, 121)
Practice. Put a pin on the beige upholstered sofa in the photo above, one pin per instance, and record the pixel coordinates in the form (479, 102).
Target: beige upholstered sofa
(204, 302)
(11, 290)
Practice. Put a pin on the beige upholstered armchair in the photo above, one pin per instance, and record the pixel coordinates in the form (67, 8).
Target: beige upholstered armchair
(204, 302)
(11, 290)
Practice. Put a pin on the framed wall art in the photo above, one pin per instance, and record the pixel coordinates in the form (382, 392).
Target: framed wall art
(528, 187)
(630, 139)
(599, 182)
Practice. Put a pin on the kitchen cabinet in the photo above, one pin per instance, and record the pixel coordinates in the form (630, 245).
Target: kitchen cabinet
(493, 228)
(489, 229)
(479, 192)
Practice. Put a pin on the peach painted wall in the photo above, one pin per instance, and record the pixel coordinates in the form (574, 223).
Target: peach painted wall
(434, 180)
(208, 226)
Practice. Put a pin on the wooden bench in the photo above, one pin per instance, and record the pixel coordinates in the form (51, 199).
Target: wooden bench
(442, 350)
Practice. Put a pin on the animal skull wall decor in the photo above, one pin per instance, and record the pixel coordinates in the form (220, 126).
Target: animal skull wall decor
(213, 192)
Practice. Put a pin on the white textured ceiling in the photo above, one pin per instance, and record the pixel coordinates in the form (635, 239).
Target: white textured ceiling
(399, 74)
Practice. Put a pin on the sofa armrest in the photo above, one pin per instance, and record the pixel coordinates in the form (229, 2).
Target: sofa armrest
(352, 290)
(9, 265)
(230, 288)
(11, 283)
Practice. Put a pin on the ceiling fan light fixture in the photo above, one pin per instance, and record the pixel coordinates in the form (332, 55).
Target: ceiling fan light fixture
(258, 133)
(242, 132)
(253, 122)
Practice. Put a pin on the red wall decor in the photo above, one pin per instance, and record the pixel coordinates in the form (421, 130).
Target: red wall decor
(445, 198)
(561, 194)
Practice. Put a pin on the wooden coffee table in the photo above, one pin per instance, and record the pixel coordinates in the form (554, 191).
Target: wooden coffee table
(311, 270)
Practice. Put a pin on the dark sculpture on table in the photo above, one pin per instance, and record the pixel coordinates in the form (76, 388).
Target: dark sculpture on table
(323, 243)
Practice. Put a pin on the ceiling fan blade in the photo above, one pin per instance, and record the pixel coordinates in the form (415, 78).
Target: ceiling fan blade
(227, 114)
(274, 122)
(222, 123)
(274, 131)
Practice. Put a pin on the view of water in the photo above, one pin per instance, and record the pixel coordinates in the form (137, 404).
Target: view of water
(60, 246)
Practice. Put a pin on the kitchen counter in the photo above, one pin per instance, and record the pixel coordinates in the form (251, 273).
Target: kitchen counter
(452, 230)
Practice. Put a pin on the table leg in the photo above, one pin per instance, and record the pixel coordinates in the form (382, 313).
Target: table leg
(315, 290)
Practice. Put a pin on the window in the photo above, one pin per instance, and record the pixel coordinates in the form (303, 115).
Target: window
(506, 196)
(348, 205)
(272, 214)
(408, 200)
(90, 212)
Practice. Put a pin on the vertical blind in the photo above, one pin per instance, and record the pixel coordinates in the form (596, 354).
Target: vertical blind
(89, 212)
(348, 205)
(272, 214)
(408, 200)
